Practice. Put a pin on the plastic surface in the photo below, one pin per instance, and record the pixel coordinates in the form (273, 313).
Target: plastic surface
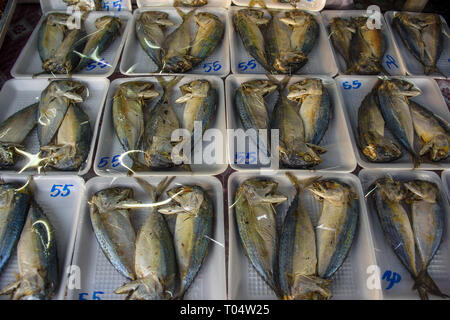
(311, 5)
(18, 94)
(135, 62)
(350, 280)
(29, 63)
(412, 65)
(445, 176)
(165, 3)
(439, 268)
(391, 61)
(99, 275)
(62, 212)
(107, 5)
(110, 147)
(431, 98)
(320, 59)
(339, 157)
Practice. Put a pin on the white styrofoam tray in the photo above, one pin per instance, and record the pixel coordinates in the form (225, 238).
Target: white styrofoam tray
(29, 62)
(412, 65)
(166, 3)
(311, 5)
(135, 62)
(17, 94)
(340, 155)
(110, 147)
(431, 98)
(99, 275)
(62, 212)
(349, 282)
(439, 268)
(320, 59)
(391, 62)
(445, 176)
(108, 5)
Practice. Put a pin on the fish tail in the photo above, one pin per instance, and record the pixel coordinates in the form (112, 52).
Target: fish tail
(254, 3)
(416, 160)
(185, 16)
(425, 285)
(301, 184)
(168, 85)
(431, 69)
(281, 84)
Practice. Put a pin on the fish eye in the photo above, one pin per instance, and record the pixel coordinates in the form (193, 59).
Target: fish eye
(308, 158)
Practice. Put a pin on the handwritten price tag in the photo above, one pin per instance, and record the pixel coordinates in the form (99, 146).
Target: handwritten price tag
(102, 64)
(59, 190)
(112, 5)
(243, 66)
(95, 295)
(392, 278)
(245, 158)
(114, 162)
(210, 66)
(355, 84)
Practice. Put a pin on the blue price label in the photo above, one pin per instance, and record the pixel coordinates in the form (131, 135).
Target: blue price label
(60, 190)
(391, 278)
(355, 84)
(95, 295)
(112, 161)
(391, 62)
(102, 64)
(210, 66)
(245, 157)
(243, 66)
(116, 4)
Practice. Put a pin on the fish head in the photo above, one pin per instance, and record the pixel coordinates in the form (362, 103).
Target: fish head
(259, 87)
(194, 89)
(438, 147)
(136, 90)
(302, 156)
(204, 19)
(390, 189)
(305, 87)
(289, 61)
(422, 190)
(381, 149)
(255, 16)
(156, 17)
(8, 154)
(109, 199)
(400, 87)
(262, 191)
(107, 21)
(295, 18)
(330, 190)
(57, 19)
(188, 200)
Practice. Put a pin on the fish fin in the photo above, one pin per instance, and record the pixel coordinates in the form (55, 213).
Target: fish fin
(426, 148)
(425, 285)
(148, 288)
(10, 288)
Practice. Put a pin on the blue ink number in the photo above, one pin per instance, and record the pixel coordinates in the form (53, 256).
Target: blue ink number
(251, 64)
(115, 161)
(95, 295)
(59, 190)
(390, 61)
(392, 278)
(209, 66)
(354, 85)
(115, 4)
(102, 64)
(245, 158)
